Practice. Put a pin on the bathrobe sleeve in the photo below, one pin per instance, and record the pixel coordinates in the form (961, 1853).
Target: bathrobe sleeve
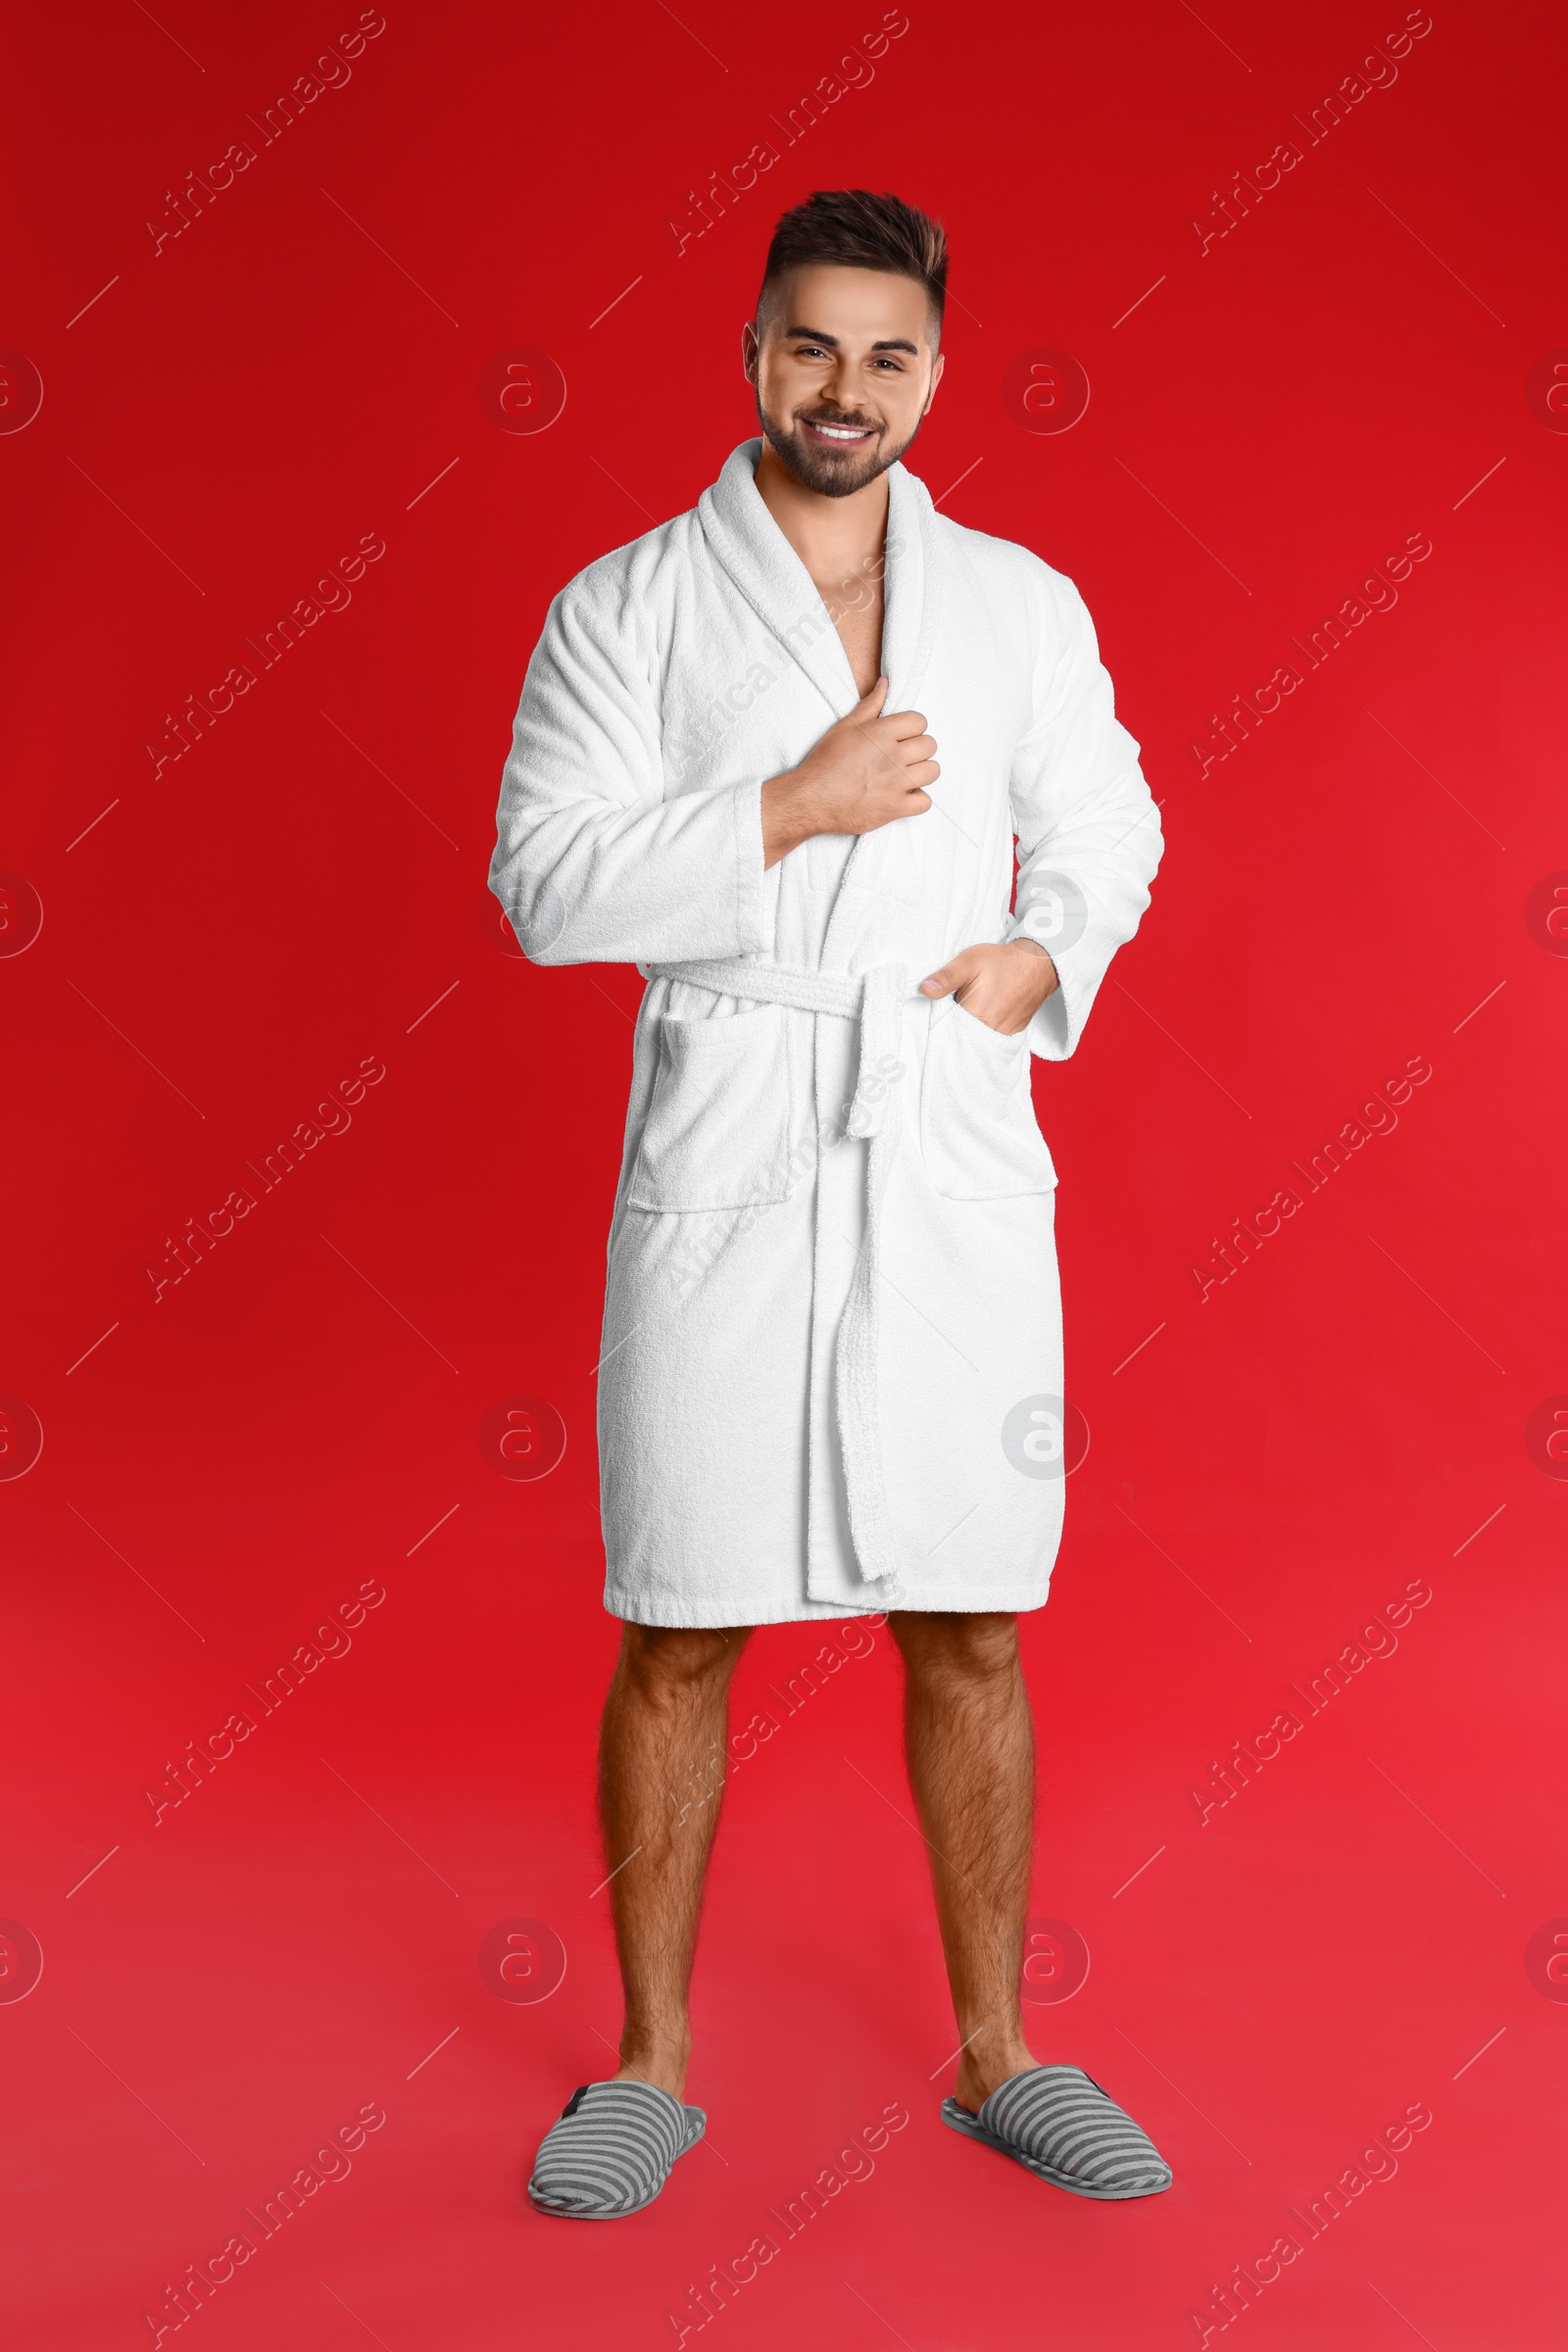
(1088, 833)
(593, 861)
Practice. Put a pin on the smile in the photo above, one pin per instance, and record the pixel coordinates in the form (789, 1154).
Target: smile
(839, 434)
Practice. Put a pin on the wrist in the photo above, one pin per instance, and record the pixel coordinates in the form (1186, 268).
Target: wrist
(1021, 939)
(779, 832)
(786, 816)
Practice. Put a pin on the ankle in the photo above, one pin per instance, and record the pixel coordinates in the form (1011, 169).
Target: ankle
(990, 2061)
(659, 2058)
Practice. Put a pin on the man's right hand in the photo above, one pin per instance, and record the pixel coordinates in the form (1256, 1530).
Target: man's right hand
(867, 769)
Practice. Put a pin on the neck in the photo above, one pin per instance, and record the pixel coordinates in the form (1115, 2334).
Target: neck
(832, 536)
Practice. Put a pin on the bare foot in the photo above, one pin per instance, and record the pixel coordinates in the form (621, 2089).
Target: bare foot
(665, 2069)
(980, 2074)
(662, 2077)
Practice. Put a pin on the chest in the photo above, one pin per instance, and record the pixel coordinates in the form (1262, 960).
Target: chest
(857, 613)
(739, 696)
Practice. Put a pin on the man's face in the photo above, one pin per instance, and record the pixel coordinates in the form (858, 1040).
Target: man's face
(844, 374)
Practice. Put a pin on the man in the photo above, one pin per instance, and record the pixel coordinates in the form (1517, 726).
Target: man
(831, 1375)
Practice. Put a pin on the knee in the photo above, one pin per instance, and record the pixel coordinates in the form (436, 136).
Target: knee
(970, 1646)
(663, 1660)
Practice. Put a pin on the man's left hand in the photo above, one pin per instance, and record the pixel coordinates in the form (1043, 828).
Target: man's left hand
(1002, 986)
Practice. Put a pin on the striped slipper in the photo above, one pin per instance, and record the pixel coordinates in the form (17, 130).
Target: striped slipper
(1058, 2121)
(612, 2150)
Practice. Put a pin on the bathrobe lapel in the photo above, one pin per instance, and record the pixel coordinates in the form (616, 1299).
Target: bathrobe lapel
(751, 549)
(748, 545)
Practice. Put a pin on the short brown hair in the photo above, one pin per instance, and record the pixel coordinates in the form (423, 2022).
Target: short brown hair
(857, 230)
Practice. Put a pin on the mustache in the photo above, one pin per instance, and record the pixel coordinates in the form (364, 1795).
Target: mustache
(859, 424)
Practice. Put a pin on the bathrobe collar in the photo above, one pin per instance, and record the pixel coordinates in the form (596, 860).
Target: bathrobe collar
(746, 542)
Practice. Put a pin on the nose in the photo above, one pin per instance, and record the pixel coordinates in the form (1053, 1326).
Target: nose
(839, 389)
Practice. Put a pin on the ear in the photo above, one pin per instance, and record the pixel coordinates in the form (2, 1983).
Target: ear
(936, 378)
(750, 349)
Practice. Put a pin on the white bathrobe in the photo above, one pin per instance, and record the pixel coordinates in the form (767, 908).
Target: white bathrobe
(831, 1373)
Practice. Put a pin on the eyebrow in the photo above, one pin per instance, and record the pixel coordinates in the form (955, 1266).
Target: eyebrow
(814, 335)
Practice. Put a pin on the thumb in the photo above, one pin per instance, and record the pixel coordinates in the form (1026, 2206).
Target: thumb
(870, 702)
(956, 972)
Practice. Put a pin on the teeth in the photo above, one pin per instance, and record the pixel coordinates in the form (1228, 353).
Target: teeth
(841, 432)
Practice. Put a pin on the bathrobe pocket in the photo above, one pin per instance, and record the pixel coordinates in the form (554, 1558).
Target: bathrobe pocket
(718, 1125)
(978, 1134)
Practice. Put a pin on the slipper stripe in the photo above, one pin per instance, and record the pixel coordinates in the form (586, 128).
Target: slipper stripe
(1054, 2117)
(611, 2150)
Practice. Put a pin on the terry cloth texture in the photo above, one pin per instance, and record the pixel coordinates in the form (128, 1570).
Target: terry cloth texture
(1059, 2122)
(612, 2150)
(830, 1378)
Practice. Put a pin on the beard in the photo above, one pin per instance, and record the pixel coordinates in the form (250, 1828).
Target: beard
(832, 473)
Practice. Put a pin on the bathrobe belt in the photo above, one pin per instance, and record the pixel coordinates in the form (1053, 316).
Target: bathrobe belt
(876, 999)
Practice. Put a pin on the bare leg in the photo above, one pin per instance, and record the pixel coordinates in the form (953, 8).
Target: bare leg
(969, 1741)
(661, 1780)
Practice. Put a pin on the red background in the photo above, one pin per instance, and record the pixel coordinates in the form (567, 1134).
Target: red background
(233, 411)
